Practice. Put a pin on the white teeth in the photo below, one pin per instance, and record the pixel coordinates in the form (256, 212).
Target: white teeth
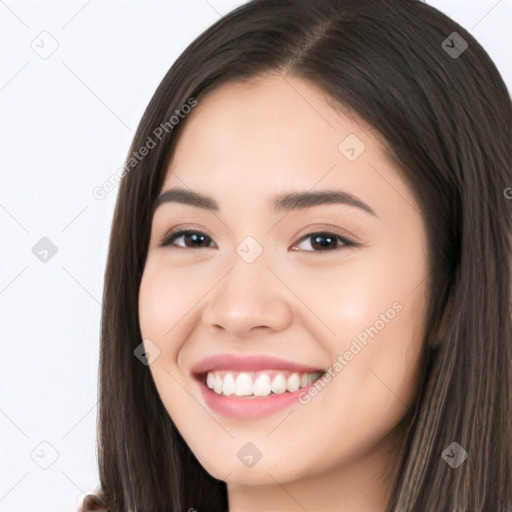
(293, 382)
(228, 386)
(210, 380)
(242, 384)
(217, 385)
(262, 385)
(310, 378)
(279, 384)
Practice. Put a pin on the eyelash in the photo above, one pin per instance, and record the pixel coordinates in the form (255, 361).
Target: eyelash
(176, 234)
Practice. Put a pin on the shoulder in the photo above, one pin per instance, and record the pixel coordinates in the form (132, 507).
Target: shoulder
(92, 503)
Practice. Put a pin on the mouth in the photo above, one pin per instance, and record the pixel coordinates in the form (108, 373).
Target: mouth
(250, 387)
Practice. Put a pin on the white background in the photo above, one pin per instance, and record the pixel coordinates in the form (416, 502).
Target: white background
(66, 125)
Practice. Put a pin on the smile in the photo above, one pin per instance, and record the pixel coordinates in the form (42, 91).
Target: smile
(251, 387)
(257, 384)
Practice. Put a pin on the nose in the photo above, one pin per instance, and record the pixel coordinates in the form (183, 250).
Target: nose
(247, 299)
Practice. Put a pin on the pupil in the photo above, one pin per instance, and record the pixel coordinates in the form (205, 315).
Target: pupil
(317, 239)
(195, 237)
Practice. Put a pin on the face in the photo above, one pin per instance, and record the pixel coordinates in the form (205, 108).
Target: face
(263, 296)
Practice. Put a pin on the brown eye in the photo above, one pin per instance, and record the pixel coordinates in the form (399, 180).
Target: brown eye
(192, 239)
(319, 242)
(325, 242)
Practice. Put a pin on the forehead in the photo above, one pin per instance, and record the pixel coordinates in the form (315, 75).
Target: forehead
(276, 133)
(272, 118)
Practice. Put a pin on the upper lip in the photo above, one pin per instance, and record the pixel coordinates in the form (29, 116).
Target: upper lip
(248, 363)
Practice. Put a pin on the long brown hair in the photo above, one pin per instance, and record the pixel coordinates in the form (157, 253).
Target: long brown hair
(445, 115)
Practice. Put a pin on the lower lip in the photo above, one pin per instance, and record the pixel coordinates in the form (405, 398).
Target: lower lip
(250, 408)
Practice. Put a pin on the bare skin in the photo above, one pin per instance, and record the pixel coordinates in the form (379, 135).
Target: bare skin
(243, 144)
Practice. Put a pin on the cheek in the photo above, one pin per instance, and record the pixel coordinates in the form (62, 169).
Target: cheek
(166, 316)
(364, 290)
(166, 299)
(380, 327)
(154, 306)
(378, 322)
(374, 307)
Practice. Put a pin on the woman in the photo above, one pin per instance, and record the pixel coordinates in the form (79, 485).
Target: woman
(307, 294)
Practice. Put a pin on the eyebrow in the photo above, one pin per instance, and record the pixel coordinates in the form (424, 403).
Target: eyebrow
(279, 203)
